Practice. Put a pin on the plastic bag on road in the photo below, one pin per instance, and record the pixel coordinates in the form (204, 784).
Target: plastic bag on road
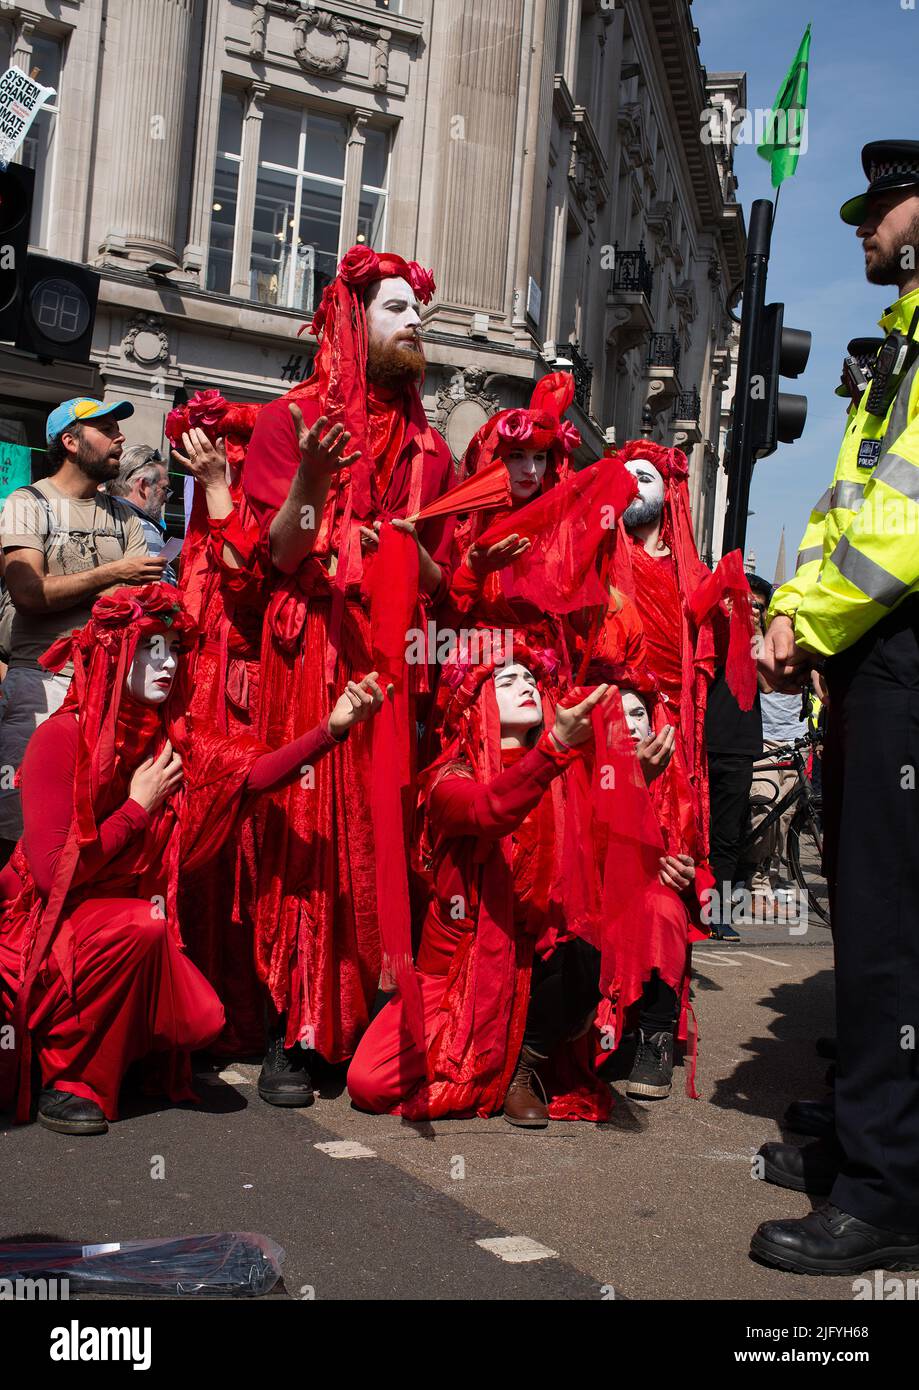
(228, 1264)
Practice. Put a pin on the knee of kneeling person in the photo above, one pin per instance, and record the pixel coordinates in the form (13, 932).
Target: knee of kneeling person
(363, 1083)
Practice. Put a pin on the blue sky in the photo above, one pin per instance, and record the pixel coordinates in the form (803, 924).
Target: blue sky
(862, 87)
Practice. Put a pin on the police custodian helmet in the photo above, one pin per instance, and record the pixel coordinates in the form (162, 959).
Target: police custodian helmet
(887, 164)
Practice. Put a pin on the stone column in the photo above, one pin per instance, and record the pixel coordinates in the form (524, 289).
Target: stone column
(354, 170)
(479, 100)
(22, 43)
(245, 198)
(154, 57)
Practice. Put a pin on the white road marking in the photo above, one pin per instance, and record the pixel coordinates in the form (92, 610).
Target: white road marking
(345, 1148)
(516, 1250)
(770, 960)
(712, 960)
(232, 1078)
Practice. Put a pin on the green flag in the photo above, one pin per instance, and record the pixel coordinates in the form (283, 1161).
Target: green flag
(785, 133)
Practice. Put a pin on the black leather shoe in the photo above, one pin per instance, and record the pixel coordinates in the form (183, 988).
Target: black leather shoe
(283, 1079)
(66, 1113)
(830, 1241)
(813, 1168)
(816, 1117)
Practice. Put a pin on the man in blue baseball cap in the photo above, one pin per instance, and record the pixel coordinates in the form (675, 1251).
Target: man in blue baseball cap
(64, 542)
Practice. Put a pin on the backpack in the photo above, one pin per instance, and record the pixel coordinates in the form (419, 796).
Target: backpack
(7, 607)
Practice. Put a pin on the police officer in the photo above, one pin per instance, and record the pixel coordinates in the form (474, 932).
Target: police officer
(853, 607)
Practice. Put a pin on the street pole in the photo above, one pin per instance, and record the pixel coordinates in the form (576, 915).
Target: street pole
(740, 471)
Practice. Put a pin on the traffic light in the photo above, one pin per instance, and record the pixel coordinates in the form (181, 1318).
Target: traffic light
(777, 417)
(57, 310)
(16, 185)
(762, 415)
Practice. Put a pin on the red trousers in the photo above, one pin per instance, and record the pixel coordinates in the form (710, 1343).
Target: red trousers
(135, 993)
(387, 1066)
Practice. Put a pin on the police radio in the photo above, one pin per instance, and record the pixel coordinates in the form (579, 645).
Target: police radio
(894, 359)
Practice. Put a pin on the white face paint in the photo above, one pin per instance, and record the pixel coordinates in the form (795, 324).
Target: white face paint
(649, 503)
(152, 672)
(636, 715)
(519, 705)
(526, 469)
(393, 317)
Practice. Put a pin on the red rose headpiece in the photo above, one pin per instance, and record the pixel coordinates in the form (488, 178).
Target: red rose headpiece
(220, 419)
(542, 426)
(670, 463)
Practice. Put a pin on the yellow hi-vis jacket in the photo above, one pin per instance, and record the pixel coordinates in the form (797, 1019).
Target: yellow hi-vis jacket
(859, 556)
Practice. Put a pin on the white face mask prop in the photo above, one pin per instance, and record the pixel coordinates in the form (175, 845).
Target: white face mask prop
(519, 705)
(636, 716)
(649, 503)
(393, 317)
(526, 469)
(152, 672)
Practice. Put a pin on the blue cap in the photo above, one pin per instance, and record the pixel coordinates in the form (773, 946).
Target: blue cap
(83, 408)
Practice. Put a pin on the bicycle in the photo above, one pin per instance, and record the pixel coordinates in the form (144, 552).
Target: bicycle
(806, 823)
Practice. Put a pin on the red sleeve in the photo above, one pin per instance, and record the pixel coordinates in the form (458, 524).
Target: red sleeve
(462, 806)
(465, 588)
(273, 457)
(274, 770)
(438, 536)
(48, 772)
(245, 582)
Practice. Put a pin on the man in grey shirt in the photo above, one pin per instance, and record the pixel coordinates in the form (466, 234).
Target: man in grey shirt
(64, 543)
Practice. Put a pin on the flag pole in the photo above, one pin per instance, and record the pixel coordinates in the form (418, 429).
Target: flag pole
(775, 205)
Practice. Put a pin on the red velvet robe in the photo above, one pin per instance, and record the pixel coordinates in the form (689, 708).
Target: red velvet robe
(678, 656)
(494, 844)
(317, 929)
(115, 984)
(215, 908)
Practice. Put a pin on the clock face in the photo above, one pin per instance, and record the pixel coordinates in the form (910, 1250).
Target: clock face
(60, 310)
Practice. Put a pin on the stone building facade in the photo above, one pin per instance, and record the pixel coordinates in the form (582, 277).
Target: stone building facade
(553, 161)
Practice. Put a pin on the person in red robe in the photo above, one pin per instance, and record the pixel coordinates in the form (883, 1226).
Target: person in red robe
(121, 793)
(320, 492)
(535, 445)
(659, 569)
(655, 876)
(221, 579)
(504, 978)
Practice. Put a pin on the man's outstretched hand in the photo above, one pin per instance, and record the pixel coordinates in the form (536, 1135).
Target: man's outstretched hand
(322, 450)
(359, 701)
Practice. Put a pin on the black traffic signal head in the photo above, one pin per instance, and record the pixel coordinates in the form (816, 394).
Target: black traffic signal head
(16, 186)
(777, 417)
(58, 310)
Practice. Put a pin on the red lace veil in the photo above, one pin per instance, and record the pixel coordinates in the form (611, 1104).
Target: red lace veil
(116, 732)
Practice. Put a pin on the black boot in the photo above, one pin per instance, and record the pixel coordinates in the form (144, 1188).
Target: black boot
(816, 1117)
(830, 1241)
(66, 1113)
(284, 1079)
(652, 1074)
(812, 1168)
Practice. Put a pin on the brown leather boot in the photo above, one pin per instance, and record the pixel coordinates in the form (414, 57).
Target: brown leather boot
(525, 1102)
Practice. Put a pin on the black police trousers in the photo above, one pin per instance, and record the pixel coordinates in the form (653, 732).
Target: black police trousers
(871, 806)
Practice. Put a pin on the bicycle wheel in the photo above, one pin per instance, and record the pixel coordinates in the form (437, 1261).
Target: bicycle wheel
(804, 836)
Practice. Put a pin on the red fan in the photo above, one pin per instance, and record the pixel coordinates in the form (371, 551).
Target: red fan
(490, 487)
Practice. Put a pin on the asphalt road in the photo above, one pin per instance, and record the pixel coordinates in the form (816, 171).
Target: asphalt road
(659, 1203)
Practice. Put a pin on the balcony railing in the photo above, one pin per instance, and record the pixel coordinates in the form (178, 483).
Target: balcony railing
(664, 351)
(688, 406)
(583, 376)
(632, 273)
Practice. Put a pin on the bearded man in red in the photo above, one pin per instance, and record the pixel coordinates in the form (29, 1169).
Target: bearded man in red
(685, 626)
(320, 496)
